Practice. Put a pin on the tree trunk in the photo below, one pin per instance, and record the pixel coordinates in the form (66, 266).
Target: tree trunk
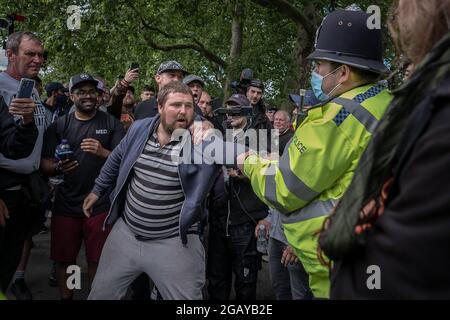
(298, 77)
(236, 46)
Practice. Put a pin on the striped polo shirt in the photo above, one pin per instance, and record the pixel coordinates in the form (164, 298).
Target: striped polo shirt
(155, 195)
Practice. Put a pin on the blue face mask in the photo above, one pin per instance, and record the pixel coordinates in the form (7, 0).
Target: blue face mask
(316, 85)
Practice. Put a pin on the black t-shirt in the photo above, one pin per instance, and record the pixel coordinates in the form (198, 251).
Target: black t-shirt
(70, 194)
(146, 108)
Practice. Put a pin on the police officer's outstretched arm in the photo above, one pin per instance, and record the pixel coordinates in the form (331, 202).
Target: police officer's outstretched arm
(318, 155)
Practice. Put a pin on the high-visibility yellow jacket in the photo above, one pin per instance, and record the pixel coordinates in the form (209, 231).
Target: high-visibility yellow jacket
(306, 182)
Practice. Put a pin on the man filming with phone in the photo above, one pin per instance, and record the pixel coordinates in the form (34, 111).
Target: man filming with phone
(25, 54)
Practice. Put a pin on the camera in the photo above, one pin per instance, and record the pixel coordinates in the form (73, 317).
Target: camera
(244, 111)
(241, 85)
(7, 23)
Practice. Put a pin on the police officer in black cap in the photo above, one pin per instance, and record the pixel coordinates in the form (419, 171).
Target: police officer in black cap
(347, 54)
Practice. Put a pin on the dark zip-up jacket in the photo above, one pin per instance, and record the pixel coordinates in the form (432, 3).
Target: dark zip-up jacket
(235, 202)
(16, 141)
(196, 179)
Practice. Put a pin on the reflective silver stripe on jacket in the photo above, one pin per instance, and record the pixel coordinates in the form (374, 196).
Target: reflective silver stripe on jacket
(293, 183)
(363, 115)
(313, 210)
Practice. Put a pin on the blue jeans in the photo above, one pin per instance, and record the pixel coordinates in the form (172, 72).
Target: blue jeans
(288, 283)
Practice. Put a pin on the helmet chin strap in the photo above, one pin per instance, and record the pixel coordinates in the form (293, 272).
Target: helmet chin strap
(335, 87)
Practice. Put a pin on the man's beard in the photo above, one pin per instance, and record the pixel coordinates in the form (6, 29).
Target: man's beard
(128, 102)
(86, 111)
(170, 128)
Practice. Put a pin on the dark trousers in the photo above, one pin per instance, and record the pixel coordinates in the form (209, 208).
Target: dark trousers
(13, 234)
(288, 283)
(236, 254)
(140, 288)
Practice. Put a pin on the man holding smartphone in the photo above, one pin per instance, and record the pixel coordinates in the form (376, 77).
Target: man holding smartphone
(16, 141)
(92, 135)
(25, 55)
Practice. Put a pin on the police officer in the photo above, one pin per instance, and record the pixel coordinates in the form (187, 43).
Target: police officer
(320, 161)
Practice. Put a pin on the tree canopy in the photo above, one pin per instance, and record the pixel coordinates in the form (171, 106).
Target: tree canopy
(214, 39)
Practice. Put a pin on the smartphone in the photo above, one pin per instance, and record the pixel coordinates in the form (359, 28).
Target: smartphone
(26, 87)
(134, 65)
(67, 155)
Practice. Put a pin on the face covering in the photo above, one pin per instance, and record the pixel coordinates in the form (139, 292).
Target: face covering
(316, 84)
(61, 100)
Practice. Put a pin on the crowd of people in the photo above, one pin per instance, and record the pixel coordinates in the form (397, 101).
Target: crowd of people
(352, 176)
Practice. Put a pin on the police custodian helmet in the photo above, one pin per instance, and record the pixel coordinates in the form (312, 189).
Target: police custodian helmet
(344, 37)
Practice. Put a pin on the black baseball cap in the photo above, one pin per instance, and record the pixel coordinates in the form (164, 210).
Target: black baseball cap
(239, 99)
(257, 84)
(81, 78)
(191, 78)
(171, 65)
(53, 86)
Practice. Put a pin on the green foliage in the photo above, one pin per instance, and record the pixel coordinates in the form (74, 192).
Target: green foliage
(113, 35)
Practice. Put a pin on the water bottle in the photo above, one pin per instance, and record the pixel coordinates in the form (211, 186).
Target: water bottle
(62, 151)
(261, 242)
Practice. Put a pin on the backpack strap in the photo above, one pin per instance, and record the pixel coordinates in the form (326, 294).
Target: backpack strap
(62, 131)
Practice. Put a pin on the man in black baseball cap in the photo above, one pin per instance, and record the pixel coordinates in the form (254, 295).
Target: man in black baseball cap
(79, 79)
(53, 87)
(196, 84)
(255, 92)
(167, 72)
(171, 65)
(56, 102)
(270, 113)
(237, 100)
(92, 136)
(235, 208)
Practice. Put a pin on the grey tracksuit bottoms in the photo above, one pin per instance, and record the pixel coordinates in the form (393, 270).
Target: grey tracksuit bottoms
(177, 270)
